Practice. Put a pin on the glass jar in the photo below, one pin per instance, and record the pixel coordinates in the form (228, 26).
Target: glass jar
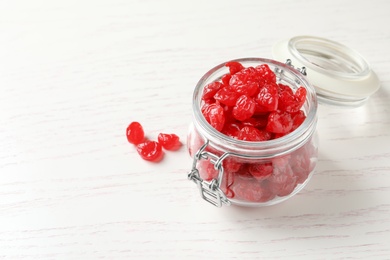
(223, 167)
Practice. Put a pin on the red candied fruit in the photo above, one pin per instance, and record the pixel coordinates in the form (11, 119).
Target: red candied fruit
(210, 90)
(214, 114)
(267, 98)
(266, 75)
(207, 170)
(135, 133)
(298, 119)
(226, 97)
(234, 67)
(279, 122)
(245, 82)
(284, 182)
(250, 133)
(244, 108)
(226, 79)
(250, 190)
(169, 141)
(232, 130)
(291, 102)
(261, 171)
(259, 122)
(231, 165)
(150, 151)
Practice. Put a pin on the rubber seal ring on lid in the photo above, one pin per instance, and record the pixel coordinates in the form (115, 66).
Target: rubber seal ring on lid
(340, 75)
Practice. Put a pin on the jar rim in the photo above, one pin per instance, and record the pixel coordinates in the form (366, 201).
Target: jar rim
(328, 57)
(260, 148)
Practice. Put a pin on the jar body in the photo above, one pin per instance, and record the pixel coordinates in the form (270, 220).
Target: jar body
(256, 181)
(253, 173)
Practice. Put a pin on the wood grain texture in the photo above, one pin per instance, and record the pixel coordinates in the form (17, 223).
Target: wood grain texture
(74, 74)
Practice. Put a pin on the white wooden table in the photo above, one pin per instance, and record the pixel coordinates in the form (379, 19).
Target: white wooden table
(74, 74)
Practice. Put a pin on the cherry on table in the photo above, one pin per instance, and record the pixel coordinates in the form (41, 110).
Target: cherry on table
(135, 133)
(169, 141)
(150, 151)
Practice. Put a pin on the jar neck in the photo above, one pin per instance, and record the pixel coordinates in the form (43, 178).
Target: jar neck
(265, 149)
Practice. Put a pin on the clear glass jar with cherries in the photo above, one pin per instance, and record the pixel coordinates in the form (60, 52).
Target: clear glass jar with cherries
(253, 136)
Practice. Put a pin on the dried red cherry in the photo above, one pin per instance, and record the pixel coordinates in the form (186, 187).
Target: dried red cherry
(256, 121)
(135, 133)
(279, 122)
(232, 130)
(207, 170)
(210, 90)
(226, 97)
(150, 151)
(289, 101)
(298, 119)
(169, 141)
(265, 74)
(261, 171)
(214, 115)
(250, 133)
(245, 82)
(244, 108)
(268, 98)
(234, 67)
(231, 165)
(251, 191)
(226, 79)
(283, 181)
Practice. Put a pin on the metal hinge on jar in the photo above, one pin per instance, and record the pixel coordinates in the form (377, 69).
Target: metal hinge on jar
(288, 62)
(301, 70)
(210, 191)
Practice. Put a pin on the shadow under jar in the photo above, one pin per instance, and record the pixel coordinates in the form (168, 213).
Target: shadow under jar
(253, 173)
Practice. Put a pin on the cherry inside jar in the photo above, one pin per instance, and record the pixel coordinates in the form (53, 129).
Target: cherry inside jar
(249, 150)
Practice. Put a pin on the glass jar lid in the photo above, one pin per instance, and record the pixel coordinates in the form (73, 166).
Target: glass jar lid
(340, 75)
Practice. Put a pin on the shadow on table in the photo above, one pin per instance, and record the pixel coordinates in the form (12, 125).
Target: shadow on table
(332, 195)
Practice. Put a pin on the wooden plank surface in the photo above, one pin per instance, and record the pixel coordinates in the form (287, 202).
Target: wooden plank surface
(74, 74)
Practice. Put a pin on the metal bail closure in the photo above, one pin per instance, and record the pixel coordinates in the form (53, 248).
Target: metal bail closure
(209, 191)
(302, 70)
(279, 71)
